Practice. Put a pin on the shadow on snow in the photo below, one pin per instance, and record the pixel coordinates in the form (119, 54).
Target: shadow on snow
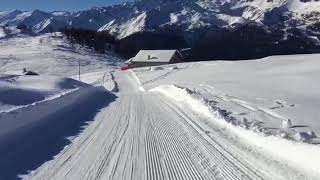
(29, 147)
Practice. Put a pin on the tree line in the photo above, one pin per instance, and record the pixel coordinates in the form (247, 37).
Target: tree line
(126, 47)
(246, 42)
(99, 41)
(251, 42)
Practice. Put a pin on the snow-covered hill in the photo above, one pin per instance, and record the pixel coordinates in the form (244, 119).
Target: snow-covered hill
(50, 55)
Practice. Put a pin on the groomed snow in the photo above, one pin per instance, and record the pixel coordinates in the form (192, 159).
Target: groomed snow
(305, 156)
(146, 135)
(268, 103)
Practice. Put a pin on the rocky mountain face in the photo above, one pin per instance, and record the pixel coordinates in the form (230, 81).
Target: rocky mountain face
(194, 20)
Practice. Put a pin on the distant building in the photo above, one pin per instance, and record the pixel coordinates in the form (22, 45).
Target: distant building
(29, 73)
(155, 58)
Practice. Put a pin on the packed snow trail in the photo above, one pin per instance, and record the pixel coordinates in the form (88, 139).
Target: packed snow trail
(142, 135)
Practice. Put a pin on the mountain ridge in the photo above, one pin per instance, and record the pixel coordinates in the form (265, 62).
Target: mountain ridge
(128, 18)
(200, 23)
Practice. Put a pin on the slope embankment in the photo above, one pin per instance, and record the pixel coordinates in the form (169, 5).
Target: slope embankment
(304, 158)
(32, 135)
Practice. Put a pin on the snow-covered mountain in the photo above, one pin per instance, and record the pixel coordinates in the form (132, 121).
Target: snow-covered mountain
(189, 15)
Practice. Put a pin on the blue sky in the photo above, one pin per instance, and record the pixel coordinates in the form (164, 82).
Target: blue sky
(50, 5)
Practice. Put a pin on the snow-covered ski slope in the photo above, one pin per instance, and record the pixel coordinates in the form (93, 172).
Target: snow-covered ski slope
(204, 120)
(144, 135)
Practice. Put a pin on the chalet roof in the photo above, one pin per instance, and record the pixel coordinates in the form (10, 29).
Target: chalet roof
(154, 56)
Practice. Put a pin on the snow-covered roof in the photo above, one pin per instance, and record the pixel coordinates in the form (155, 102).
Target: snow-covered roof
(154, 56)
(129, 61)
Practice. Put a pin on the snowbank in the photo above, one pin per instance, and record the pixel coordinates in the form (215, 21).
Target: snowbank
(12, 121)
(304, 156)
(33, 134)
(44, 94)
(19, 90)
(270, 90)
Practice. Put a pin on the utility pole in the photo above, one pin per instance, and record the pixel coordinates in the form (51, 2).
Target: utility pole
(79, 71)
